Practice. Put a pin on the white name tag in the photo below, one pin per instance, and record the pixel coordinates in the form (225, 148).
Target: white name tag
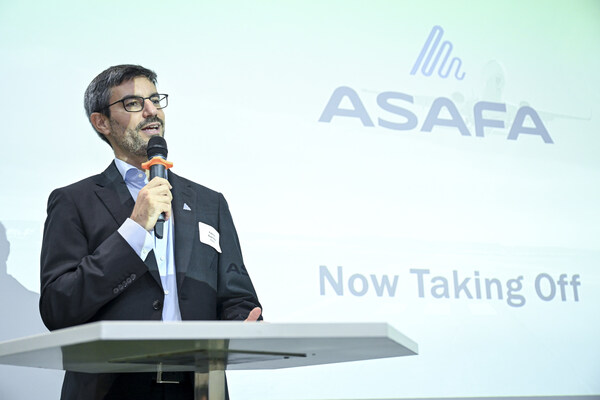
(209, 236)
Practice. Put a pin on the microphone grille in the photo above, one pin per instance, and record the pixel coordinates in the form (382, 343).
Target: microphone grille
(157, 146)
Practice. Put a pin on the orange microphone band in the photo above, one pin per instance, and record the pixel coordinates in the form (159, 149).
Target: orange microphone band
(157, 160)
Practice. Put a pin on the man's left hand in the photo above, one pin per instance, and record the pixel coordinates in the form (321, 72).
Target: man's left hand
(254, 315)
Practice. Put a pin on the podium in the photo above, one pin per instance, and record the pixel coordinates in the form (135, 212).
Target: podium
(207, 348)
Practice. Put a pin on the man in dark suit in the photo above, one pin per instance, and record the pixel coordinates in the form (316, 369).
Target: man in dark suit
(100, 258)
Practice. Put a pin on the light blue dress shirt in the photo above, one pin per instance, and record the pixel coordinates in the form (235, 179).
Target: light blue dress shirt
(143, 242)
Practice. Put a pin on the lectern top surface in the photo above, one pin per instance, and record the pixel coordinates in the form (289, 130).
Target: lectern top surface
(127, 346)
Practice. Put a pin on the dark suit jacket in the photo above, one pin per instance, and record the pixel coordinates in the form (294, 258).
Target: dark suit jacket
(90, 273)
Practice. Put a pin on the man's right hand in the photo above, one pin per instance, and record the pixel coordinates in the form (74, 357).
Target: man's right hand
(154, 198)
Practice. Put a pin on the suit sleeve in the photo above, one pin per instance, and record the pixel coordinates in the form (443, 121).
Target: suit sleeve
(78, 276)
(235, 292)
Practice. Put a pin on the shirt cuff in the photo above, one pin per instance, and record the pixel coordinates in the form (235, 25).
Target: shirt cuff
(138, 238)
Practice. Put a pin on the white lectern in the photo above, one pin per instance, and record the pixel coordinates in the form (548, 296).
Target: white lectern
(207, 348)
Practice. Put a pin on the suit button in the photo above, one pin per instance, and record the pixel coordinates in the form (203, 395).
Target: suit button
(157, 305)
(115, 290)
(133, 276)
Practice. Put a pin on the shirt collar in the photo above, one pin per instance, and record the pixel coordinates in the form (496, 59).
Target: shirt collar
(131, 174)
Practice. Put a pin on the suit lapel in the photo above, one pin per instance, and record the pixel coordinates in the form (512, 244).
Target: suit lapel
(113, 192)
(184, 207)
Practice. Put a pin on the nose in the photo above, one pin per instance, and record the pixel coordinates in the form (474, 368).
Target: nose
(150, 109)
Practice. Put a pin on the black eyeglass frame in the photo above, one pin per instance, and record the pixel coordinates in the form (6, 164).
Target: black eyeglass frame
(161, 96)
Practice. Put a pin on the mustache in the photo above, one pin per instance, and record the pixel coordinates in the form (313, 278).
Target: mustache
(149, 121)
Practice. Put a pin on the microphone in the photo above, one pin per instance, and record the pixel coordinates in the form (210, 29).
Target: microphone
(158, 165)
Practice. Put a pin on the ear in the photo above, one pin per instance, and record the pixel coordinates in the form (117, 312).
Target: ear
(100, 123)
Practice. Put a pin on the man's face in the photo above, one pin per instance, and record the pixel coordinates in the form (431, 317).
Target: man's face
(130, 131)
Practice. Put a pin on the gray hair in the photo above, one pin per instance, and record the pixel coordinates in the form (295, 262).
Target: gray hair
(97, 94)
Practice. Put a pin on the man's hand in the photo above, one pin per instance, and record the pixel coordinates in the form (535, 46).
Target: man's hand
(153, 199)
(254, 315)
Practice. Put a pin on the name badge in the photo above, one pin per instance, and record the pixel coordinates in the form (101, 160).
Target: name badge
(209, 236)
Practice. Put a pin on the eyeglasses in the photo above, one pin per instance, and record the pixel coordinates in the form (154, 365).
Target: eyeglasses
(136, 103)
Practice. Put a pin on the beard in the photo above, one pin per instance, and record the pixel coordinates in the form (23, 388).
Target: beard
(133, 141)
